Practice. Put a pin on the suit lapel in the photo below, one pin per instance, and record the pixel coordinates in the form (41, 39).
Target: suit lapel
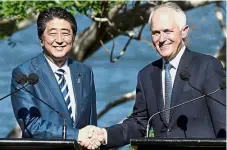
(48, 79)
(178, 85)
(156, 77)
(76, 76)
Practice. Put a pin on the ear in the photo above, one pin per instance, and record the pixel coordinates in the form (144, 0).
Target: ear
(74, 37)
(185, 31)
(41, 43)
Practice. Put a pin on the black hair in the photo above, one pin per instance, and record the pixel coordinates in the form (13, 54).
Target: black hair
(51, 13)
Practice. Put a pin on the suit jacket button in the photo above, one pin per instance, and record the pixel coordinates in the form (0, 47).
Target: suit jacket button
(169, 129)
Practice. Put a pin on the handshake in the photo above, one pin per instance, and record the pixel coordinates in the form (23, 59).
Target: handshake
(91, 137)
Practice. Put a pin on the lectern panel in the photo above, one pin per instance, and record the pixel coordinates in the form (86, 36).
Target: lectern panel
(34, 144)
(178, 144)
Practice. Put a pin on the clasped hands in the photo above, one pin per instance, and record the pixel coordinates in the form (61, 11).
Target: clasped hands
(91, 137)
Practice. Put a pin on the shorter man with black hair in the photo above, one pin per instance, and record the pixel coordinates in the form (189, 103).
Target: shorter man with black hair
(64, 84)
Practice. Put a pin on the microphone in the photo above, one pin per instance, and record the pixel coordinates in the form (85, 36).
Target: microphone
(194, 99)
(185, 75)
(33, 78)
(182, 123)
(221, 133)
(20, 79)
(223, 84)
(22, 114)
(34, 112)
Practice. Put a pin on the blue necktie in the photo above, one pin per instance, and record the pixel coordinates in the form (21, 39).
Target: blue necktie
(64, 89)
(168, 89)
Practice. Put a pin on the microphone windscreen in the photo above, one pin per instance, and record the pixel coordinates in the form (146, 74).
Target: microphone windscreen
(223, 84)
(22, 113)
(182, 122)
(33, 78)
(185, 75)
(221, 133)
(34, 112)
(21, 79)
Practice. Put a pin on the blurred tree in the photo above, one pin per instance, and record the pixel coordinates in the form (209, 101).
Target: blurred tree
(110, 19)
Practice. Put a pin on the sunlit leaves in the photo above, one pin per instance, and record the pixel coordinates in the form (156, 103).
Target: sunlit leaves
(22, 9)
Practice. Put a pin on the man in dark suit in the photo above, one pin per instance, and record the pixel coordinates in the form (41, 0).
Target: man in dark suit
(159, 87)
(64, 84)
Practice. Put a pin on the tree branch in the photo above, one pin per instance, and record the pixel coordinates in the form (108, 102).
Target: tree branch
(10, 26)
(125, 98)
(88, 41)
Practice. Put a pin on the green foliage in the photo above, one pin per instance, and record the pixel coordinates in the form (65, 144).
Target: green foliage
(22, 9)
(151, 133)
(13, 12)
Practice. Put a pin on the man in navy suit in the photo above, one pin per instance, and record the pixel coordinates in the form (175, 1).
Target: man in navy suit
(64, 84)
(161, 85)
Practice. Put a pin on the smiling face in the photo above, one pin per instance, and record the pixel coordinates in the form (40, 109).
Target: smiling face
(167, 37)
(57, 39)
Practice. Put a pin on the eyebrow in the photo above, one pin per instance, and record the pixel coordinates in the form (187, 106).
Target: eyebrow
(164, 30)
(64, 29)
(155, 31)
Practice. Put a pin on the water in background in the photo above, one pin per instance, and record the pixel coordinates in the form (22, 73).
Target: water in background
(111, 79)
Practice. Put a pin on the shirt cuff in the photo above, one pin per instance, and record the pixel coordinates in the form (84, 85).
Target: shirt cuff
(105, 136)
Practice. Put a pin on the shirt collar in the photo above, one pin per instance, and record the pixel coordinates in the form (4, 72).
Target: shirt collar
(176, 60)
(54, 67)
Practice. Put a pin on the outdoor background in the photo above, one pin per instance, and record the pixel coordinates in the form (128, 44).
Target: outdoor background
(112, 80)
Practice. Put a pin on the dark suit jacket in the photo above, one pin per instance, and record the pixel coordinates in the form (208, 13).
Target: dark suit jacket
(43, 122)
(205, 116)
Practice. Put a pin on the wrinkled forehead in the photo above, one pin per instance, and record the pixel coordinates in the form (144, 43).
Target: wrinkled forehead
(163, 16)
(163, 13)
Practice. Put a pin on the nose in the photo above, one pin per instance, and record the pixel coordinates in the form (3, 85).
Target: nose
(59, 38)
(162, 37)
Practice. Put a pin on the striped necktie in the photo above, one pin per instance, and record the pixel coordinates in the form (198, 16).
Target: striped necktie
(64, 89)
(168, 89)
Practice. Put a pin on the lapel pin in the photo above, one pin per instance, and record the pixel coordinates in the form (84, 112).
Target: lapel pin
(78, 79)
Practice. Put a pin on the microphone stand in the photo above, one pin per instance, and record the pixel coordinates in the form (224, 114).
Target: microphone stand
(15, 91)
(207, 94)
(185, 75)
(185, 134)
(64, 127)
(64, 130)
(182, 123)
(148, 122)
(33, 79)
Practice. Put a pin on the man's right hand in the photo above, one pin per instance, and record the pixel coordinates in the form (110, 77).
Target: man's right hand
(91, 137)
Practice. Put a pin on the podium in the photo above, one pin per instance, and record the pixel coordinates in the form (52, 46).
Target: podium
(178, 144)
(38, 144)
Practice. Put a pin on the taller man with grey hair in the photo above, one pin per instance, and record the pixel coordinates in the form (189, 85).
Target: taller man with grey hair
(162, 84)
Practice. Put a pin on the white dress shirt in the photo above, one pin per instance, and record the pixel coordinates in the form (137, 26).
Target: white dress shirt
(68, 79)
(175, 63)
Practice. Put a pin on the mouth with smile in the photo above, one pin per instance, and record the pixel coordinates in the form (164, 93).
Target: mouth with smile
(164, 46)
(59, 48)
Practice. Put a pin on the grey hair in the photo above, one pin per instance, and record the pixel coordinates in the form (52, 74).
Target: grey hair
(179, 14)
